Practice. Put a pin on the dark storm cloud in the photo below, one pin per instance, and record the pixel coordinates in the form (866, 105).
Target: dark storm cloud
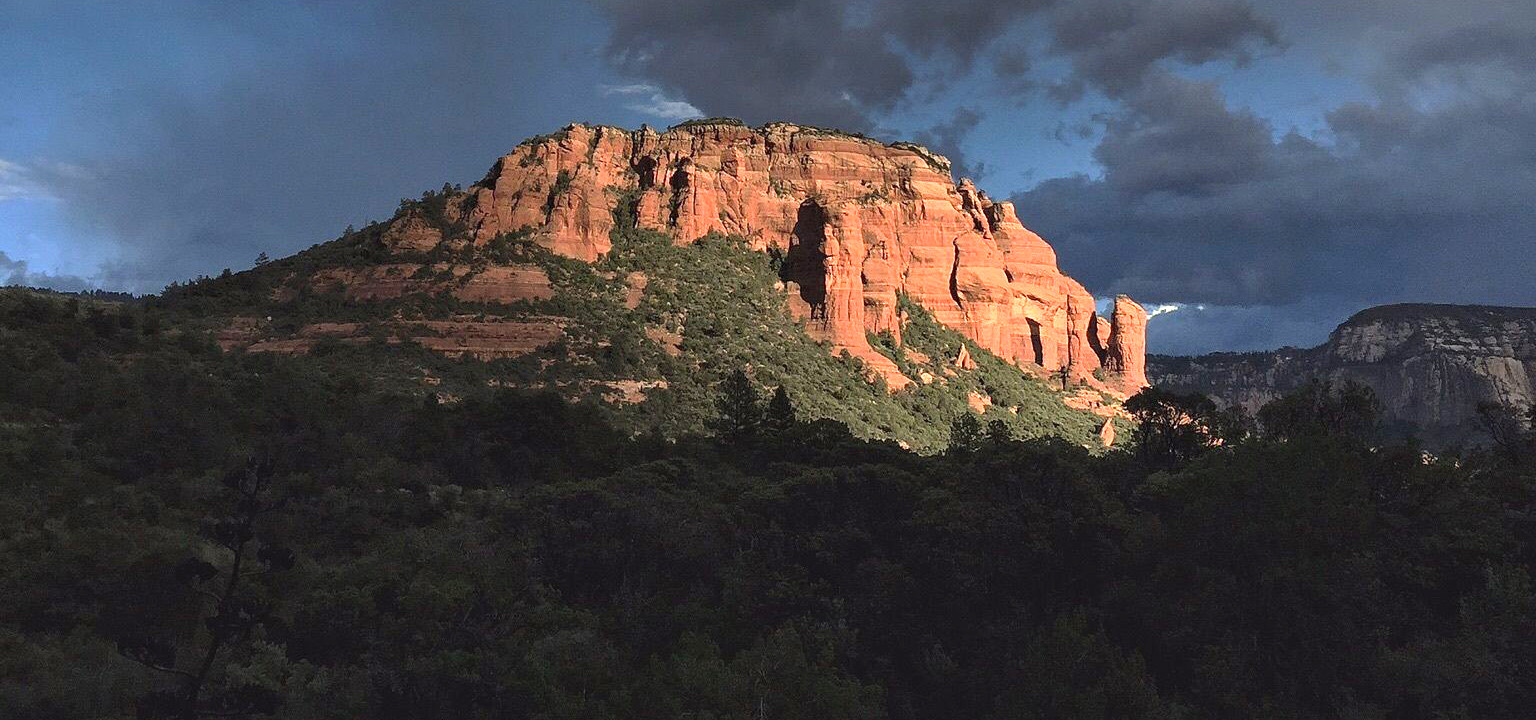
(1422, 194)
(1014, 69)
(1115, 44)
(844, 64)
(1513, 48)
(945, 139)
(961, 29)
(761, 61)
(297, 119)
(1179, 136)
(204, 134)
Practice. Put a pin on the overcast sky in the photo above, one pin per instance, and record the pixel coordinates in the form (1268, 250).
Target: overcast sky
(1256, 170)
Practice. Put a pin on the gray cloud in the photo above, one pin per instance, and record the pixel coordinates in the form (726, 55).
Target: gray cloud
(1014, 69)
(760, 61)
(961, 30)
(945, 138)
(836, 63)
(16, 273)
(1422, 194)
(1510, 47)
(1115, 44)
(282, 137)
(1179, 136)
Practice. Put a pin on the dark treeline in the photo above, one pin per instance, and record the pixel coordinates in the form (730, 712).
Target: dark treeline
(188, 533)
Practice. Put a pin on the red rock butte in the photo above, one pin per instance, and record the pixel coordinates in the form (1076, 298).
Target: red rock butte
(856, 222)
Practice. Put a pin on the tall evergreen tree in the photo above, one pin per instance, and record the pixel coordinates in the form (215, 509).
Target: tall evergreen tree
(998, 433)
(965, 433)
(740, 406)
(781, 412)
(236, 610)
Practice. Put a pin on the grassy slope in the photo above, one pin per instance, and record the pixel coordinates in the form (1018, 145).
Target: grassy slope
(716, 293)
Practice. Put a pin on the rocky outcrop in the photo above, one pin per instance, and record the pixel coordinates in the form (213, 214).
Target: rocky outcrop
(494, 283)
(482, 337)
(1127, 342)
(855, 222)
(1430, 366)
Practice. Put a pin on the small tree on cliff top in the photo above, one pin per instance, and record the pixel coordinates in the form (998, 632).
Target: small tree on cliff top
(1063, 374)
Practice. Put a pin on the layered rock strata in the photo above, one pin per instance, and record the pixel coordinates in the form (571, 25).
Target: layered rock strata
(1429, 365)
(854, 221)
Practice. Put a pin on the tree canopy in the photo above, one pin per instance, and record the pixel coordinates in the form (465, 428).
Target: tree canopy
(514, 554)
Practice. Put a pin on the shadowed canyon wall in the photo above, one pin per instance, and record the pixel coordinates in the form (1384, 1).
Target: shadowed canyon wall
(1430, 366)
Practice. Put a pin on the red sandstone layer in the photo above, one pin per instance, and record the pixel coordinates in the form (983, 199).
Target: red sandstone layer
(857, 221)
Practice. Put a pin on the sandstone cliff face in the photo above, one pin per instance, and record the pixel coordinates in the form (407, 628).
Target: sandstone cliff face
(855, 222)
(1127, 342)
(1430, 365)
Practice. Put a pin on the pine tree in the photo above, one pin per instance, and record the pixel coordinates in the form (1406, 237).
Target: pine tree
(998, 433)
(740, 407)
(236, 611)
(965, 434)
(781, 412)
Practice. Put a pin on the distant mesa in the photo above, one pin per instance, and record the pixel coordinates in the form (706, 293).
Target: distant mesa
(1429, 365)
(855, 221)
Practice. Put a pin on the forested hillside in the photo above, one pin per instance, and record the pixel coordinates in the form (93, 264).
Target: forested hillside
(648, 330)
(299, 537)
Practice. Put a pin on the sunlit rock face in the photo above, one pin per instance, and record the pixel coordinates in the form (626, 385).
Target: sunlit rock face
(856, 222)
(1430, 366)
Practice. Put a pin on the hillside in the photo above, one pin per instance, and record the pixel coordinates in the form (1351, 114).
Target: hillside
(858, 276)
(191, 532)
(649, 330)
(1430, 366)
(857, 223)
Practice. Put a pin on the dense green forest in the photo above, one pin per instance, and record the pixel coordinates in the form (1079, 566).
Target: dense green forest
(291, 536)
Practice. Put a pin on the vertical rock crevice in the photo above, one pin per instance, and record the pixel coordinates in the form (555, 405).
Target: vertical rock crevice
(805, 264)
(859, 222)
(680, 183)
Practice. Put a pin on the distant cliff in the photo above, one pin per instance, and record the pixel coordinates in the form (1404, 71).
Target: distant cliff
(1430, 365)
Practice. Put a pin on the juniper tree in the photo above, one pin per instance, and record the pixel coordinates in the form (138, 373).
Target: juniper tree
(740, 407)
(965, 433)
(781, 412)
(236, 611)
